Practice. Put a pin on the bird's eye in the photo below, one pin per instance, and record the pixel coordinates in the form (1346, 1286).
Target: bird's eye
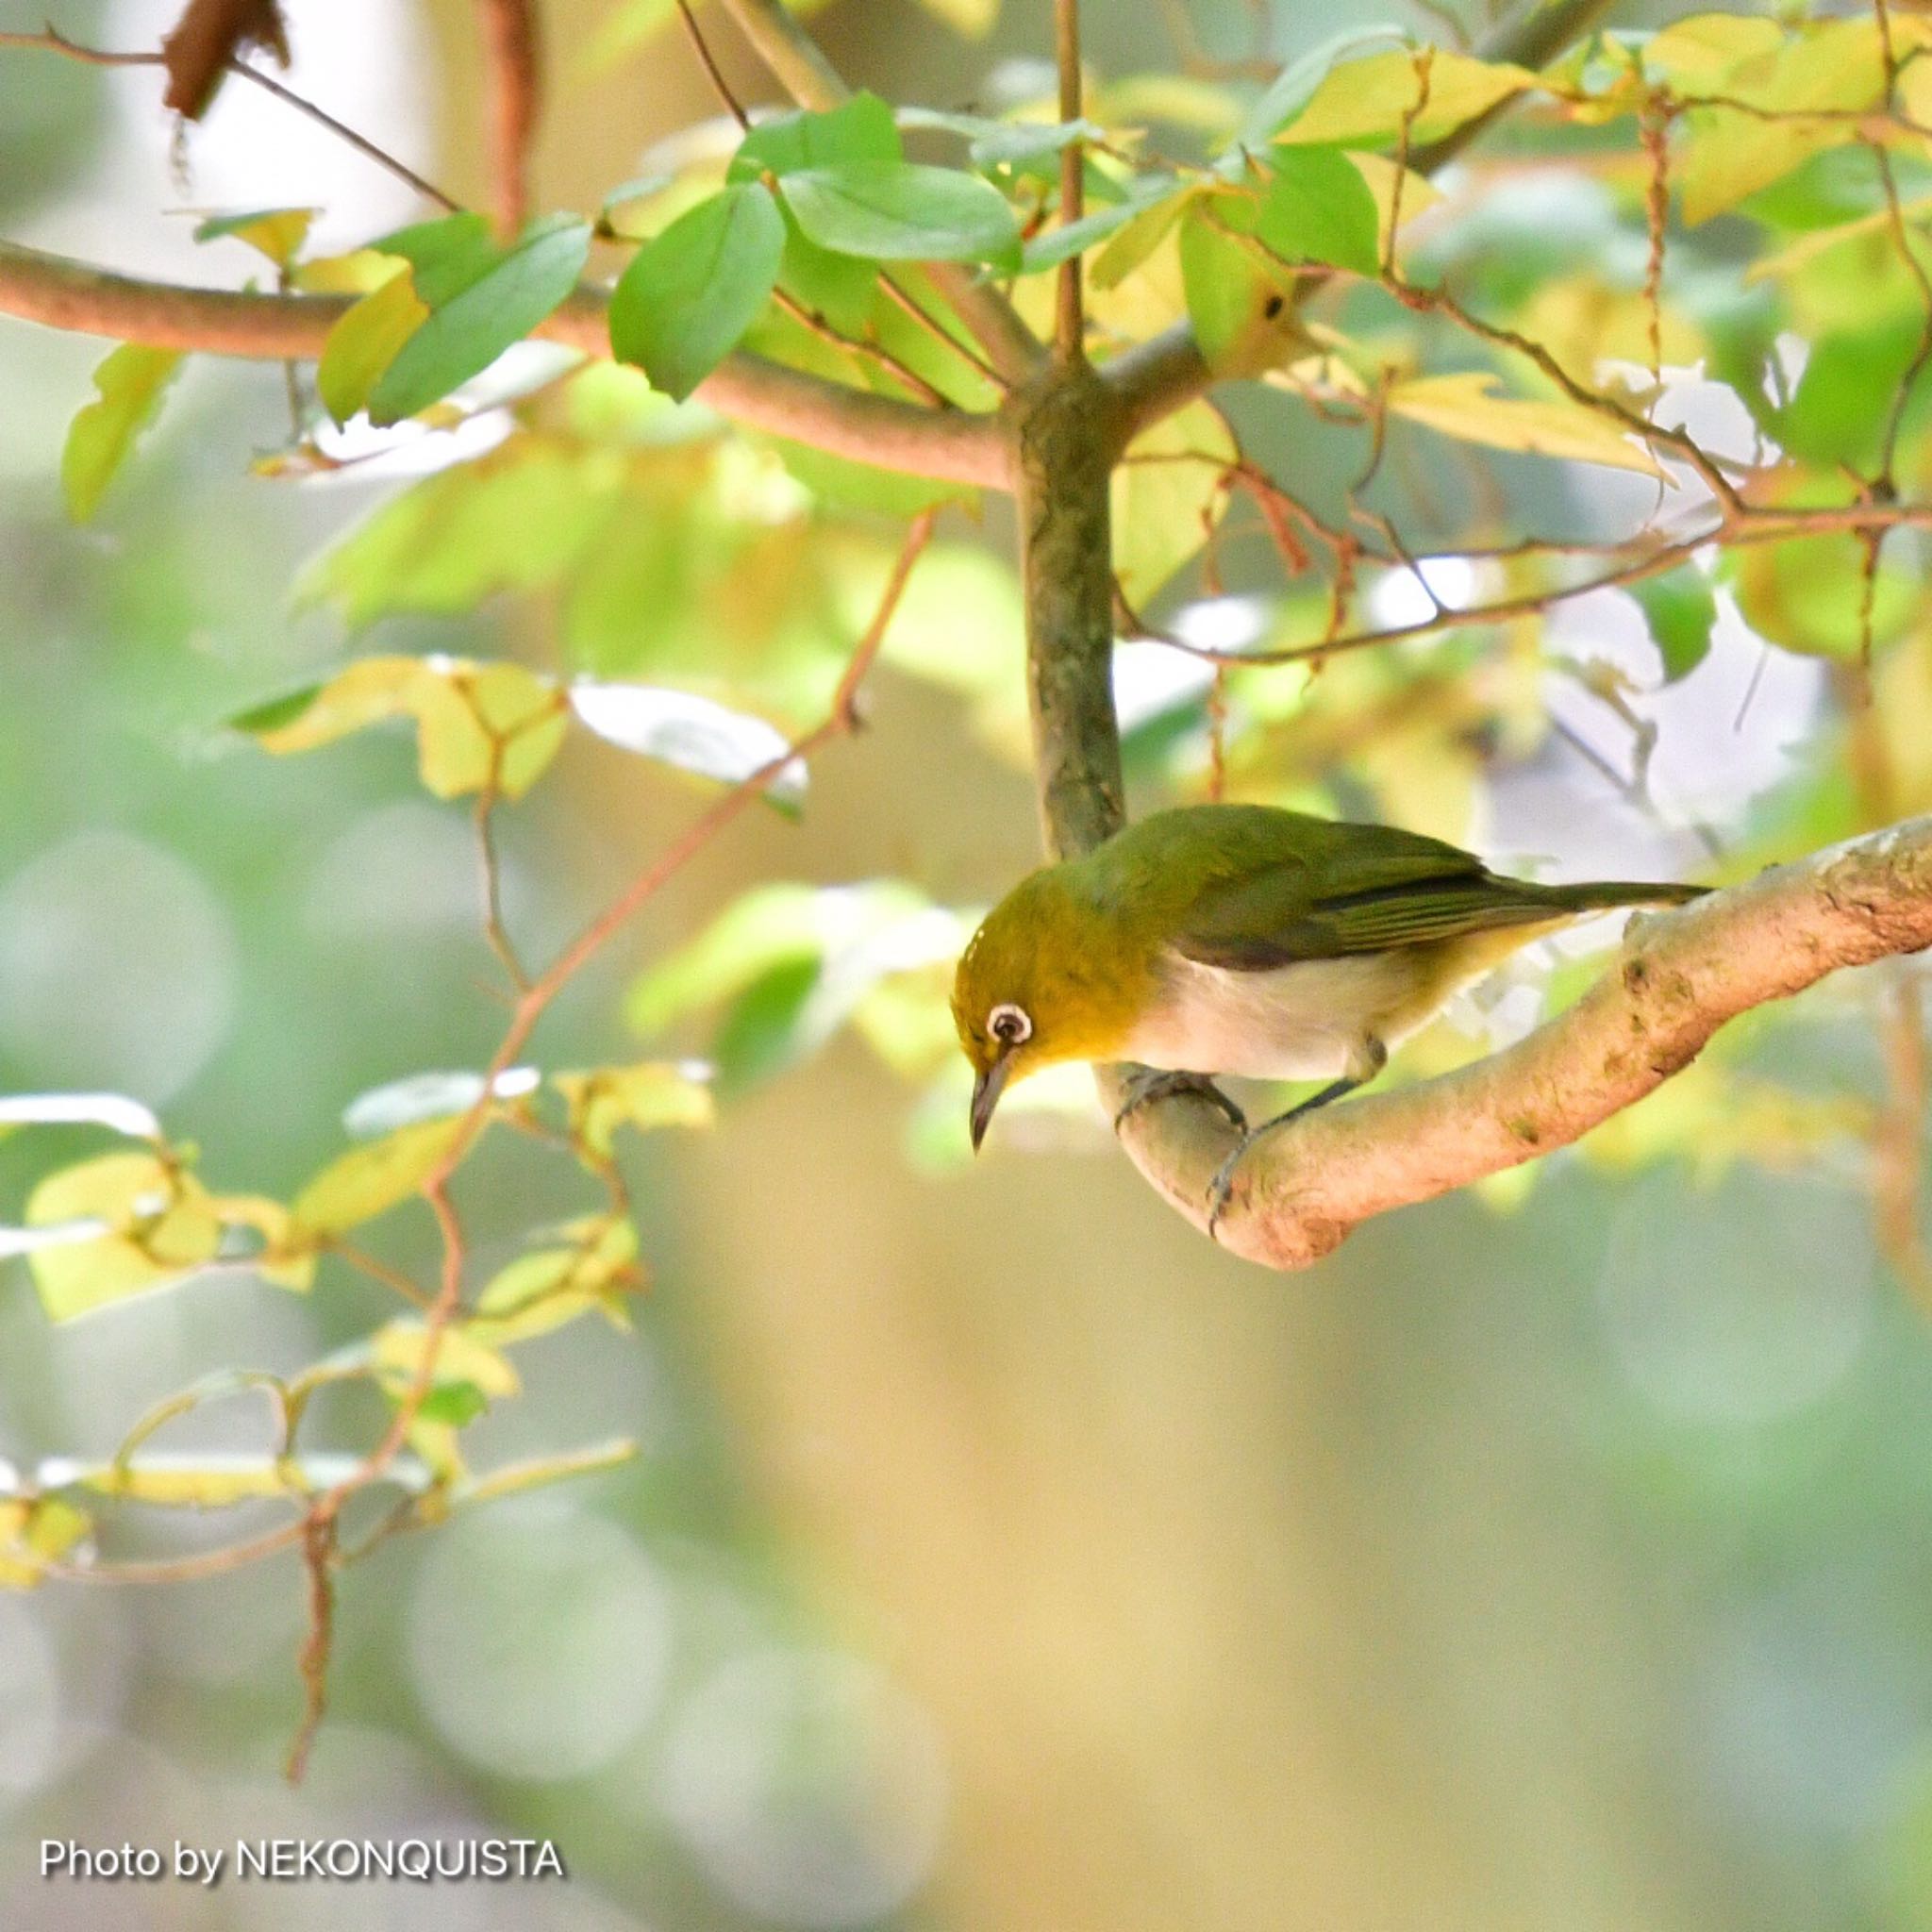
(1008, 1025)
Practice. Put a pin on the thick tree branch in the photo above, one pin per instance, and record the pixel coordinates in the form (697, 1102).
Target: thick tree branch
(1678, 978)
(948, 445)
(800, 67)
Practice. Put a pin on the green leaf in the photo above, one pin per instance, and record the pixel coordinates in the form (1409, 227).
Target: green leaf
(690, 294)
(861, 129)
(1225, 286)
(277, 232)
(1680, 609)
(473, 317)
(692, 733)
(365, 341)
(514, 520)
(130, 385)
(446, 255)
(455, 1405)
(370, 1180)
(903, 211)
(1845, 398)
(1319, 209)
(139, 1223)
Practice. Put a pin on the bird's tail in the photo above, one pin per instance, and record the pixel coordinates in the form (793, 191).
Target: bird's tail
(1601, 895)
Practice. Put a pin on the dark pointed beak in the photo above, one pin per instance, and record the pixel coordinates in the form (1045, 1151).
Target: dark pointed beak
(986, 1097)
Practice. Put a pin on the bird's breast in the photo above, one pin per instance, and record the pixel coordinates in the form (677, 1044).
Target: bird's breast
(1307, 1021)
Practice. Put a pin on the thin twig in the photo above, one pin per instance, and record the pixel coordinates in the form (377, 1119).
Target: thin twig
(50, 42)
(318, 1558)
(709, 61)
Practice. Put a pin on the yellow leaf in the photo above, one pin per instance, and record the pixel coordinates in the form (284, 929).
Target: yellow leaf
(354, 274)
(365, 341)
(653, 1094)
(1418, 192)
(1177, 99)
(206, 1479)
(1366, 100)
(1165, 494)
(1465, 406)
(396, 1352)
(373, 1178)
(157, 1226)
(471, 717)
(543, 1290)
(1700, 53)
(35, 1532)
(975, 19)
(1834, 68)
(283, 1259)
(129, 384)
(517, 1476)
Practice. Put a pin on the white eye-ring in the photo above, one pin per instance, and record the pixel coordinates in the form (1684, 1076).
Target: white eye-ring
(1009, 1024)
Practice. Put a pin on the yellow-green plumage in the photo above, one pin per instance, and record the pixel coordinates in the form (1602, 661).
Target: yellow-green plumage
(1245, 939)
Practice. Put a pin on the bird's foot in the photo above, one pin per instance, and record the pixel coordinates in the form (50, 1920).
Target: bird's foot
(1221, 1189)
(1154, 1083)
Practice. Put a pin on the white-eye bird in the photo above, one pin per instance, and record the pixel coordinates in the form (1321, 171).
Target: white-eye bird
(1248, 941)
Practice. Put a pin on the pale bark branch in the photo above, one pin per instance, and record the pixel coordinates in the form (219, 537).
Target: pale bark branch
(798, 65)
(1678, 978)
(950, 447)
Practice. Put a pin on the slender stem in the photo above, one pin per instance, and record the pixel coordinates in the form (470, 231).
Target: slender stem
(50, 42)
(1070, 338)
(709, 61)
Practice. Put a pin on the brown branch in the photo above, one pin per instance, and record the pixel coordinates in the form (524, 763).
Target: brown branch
(318, 1558)
(951, 447)
(1069, 329)
(842, 716)
(513, 46)
(1679, 977)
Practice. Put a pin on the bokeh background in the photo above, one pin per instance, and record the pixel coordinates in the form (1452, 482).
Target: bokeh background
(999, 1554)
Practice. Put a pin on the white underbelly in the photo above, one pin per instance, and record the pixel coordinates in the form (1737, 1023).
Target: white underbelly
(1310, 1020)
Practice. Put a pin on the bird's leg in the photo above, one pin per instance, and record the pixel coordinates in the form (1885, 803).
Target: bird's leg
(1157, 1083)
(1372, 1058)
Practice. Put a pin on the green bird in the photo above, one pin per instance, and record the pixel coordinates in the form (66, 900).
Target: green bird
(1247, 941)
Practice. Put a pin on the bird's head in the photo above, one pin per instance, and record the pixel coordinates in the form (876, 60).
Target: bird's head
(1034, 986)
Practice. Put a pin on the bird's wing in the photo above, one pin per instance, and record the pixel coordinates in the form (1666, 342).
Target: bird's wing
(1381, 889)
